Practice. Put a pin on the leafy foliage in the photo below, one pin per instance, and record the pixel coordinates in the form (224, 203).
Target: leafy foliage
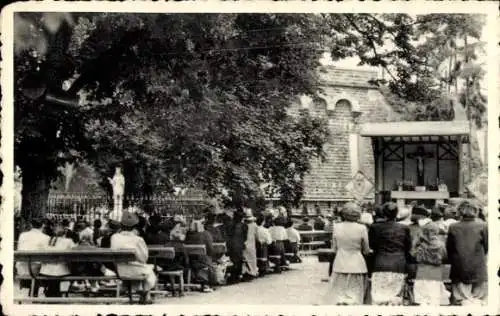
(200, 100)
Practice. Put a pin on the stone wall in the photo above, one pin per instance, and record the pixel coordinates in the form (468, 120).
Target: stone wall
(348, 99)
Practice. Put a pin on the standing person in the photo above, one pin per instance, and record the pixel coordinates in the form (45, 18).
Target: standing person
(429, 252)
(467, 246)
(417, 214)
(350, 243)
(249, 269)
(450, 217)
(34, 239)
(129, 239)
(391, 245)
(329, 228)
(236, 246)
(263, 241)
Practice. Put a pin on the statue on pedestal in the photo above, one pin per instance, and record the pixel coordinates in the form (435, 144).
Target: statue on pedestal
(118, 185)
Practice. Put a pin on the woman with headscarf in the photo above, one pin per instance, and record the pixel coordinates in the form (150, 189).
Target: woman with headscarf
(58, 241)
(202, 265)
(467, 247)
(429, 252)
(391, 245)
(249, 269)
(350, 242)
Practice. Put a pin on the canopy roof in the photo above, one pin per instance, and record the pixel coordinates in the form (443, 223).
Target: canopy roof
(417, 131)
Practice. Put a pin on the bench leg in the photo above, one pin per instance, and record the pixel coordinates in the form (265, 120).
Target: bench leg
(129, 288)
(118, 288)
(181, 284)
(32, 288)
(171, 278)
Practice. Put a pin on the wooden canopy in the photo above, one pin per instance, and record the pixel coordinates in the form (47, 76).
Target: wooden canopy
(424, 131)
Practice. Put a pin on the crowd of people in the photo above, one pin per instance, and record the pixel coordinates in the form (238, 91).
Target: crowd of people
(398, 256)
(250, 240)
(383, 255)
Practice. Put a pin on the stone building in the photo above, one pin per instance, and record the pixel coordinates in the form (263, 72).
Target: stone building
(348, 99)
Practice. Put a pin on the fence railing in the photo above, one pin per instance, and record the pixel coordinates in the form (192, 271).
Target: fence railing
(92, 206)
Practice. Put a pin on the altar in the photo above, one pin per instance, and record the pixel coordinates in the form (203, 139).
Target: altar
(417, 161)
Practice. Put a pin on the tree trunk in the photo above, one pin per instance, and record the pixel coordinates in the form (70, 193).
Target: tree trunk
(35, 194)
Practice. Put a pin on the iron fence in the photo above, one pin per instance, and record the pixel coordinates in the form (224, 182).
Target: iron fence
(92, 206)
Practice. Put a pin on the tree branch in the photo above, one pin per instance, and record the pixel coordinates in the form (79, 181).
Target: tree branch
(372, 44)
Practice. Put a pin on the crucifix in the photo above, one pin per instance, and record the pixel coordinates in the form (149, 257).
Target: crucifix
(419, 156)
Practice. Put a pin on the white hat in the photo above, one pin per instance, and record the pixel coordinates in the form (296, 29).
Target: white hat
(248, 214)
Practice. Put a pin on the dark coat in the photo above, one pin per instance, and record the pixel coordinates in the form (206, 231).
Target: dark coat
(237, 238)
(467, 246)
(156, 237)
(391, 245)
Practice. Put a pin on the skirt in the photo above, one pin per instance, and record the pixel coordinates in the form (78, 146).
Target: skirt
(470, 294)
(346, 289)
(427, 292)
(387, 288)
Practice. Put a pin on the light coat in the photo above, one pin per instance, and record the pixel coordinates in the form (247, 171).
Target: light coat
(350, 242)
(250, 251)
(33, 239)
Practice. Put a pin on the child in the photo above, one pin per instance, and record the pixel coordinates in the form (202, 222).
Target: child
(58, 242)
(429, 252)
(87, 269)
(293, 241)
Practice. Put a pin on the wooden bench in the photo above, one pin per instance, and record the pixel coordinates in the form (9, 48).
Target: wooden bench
(78, 256)
(317, 239)
(158, 253)
(188, 250)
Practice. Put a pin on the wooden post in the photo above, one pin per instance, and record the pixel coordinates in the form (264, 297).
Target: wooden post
(379, 165)
(459, 162)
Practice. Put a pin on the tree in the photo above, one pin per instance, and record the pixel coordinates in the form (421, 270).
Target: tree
(190, 99)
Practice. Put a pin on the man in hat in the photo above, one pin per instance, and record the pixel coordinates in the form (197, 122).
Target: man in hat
(128, 239)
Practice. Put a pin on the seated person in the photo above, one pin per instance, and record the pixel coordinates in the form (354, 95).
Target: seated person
(59, 241)
(128, 239)
(34, 239)
(202, 265)
(263, 241)
(305, 226)
(88, 268)
(292, 244)
(278, 235)
(319, 223)
(154, 233)
(214, 226)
